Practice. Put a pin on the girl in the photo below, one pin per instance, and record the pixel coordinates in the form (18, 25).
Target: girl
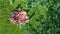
(22, 16)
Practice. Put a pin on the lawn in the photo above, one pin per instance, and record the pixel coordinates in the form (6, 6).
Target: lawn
(44, 16)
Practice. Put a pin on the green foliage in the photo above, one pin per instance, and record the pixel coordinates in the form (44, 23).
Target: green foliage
(44, 16)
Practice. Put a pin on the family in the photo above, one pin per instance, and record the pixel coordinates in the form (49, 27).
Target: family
(19, 16)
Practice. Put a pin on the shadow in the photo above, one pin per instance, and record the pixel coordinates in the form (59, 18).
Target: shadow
(58, 32)
(32, 15)
(13, 1)
(19, 6)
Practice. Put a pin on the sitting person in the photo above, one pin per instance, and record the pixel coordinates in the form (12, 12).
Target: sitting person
(22, 18)
(14, 18)
(19, 18)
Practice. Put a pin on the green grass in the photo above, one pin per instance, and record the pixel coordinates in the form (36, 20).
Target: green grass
(44, 17)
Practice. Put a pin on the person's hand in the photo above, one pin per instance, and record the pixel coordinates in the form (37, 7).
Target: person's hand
(27, 21)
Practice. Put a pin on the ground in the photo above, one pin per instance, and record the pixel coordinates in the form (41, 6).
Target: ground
(44, 16)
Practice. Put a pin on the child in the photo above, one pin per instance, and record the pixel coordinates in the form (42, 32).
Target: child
(14, 18)
(22, 18)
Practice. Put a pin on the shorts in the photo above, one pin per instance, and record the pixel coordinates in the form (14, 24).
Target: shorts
(22, 22)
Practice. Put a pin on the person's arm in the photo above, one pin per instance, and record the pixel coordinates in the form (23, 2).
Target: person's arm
(17, 15)
(27, 17)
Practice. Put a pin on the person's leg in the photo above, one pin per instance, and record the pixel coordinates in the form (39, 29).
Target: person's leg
(20, 25)
(12, 20)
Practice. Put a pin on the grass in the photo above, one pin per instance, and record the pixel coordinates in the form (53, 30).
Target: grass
(44, 19)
